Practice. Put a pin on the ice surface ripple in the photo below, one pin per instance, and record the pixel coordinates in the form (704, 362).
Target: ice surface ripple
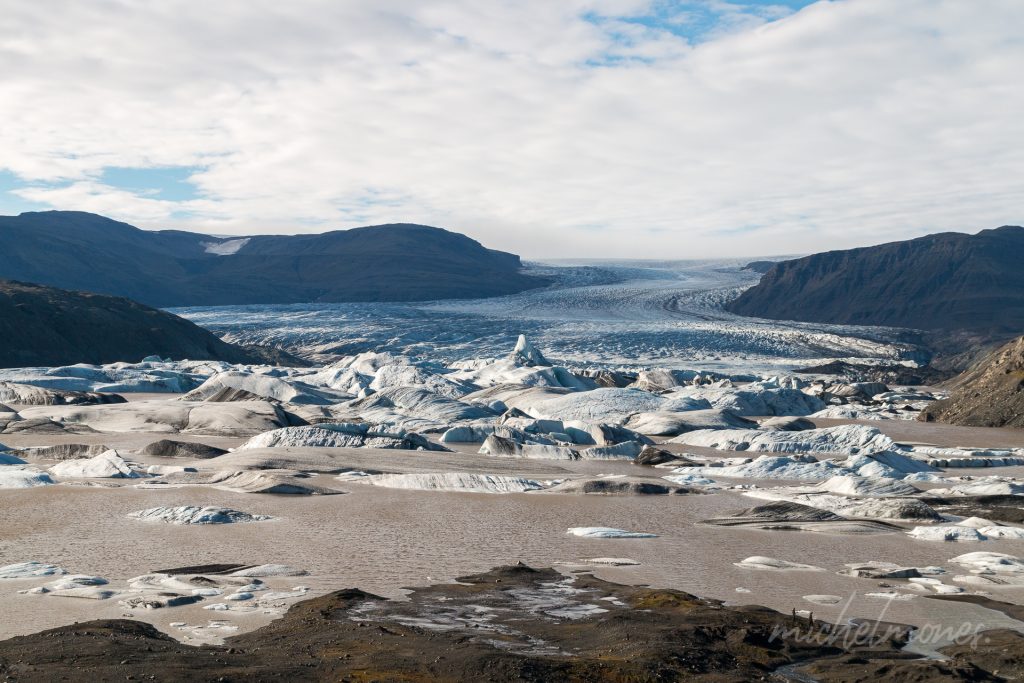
(613, 314)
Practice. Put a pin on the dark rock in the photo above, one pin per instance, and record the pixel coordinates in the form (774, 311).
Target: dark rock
(998, 508)
(790, 512)
(786, 424)
(160, 601)
(656, 456)
(621, 487)
(214, 569)
(35, 425)
(610, 378)
(890, 374)
(788, 516)
(168, 448)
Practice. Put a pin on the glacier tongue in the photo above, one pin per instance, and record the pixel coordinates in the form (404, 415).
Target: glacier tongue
(618, 314)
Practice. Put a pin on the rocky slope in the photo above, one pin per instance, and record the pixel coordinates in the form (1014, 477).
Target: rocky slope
(989, 394)
(44, 326)
(399, 262)
(945, 281)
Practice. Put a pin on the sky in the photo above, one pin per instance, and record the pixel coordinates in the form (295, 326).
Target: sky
(549, 128)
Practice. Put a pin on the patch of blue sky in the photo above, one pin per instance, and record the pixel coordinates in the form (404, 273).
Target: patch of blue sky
(171, 183)
(10, 203)
(700, 20)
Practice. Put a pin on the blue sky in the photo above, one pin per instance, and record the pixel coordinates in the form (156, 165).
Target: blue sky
(576, 128)
(170, 183)
(164, 183)
(10, 203)
(698, 21)
(693, 20)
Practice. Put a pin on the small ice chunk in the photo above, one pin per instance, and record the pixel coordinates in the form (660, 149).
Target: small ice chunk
(108, 464)
(773, 564)
(11, 478)
(194, 514)
(954, 534)
(891, 595)
(270, 570)
(237, 597)
(611, 561)
(689, 480)
(27, 570)
(607, 532)
(75, 581)
(823, 599)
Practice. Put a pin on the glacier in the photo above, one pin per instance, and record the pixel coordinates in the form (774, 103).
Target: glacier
(628, 314)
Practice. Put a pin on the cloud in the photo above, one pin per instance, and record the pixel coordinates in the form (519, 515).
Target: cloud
(570, 128)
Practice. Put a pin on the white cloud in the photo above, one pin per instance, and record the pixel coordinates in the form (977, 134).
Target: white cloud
(846, 123)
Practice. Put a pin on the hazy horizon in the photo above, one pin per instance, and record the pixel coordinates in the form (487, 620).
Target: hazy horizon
(554, 259)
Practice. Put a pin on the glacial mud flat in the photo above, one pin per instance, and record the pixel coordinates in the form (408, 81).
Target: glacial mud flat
(383, 540)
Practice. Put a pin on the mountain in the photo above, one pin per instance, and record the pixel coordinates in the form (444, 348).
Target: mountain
(946, 281)
(398, 262)
(989, 394)
(760, 266)
(43, 326)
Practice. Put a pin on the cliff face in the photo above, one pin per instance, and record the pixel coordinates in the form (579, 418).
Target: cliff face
(398, 262)
(44, 326)
(989, 394)
(947, 281)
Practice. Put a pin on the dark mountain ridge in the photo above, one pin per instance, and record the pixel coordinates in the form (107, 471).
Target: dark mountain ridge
(45, 326)
(946, 281)
(396, 262)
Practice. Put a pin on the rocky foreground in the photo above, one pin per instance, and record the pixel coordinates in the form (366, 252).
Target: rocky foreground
(512, 623)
